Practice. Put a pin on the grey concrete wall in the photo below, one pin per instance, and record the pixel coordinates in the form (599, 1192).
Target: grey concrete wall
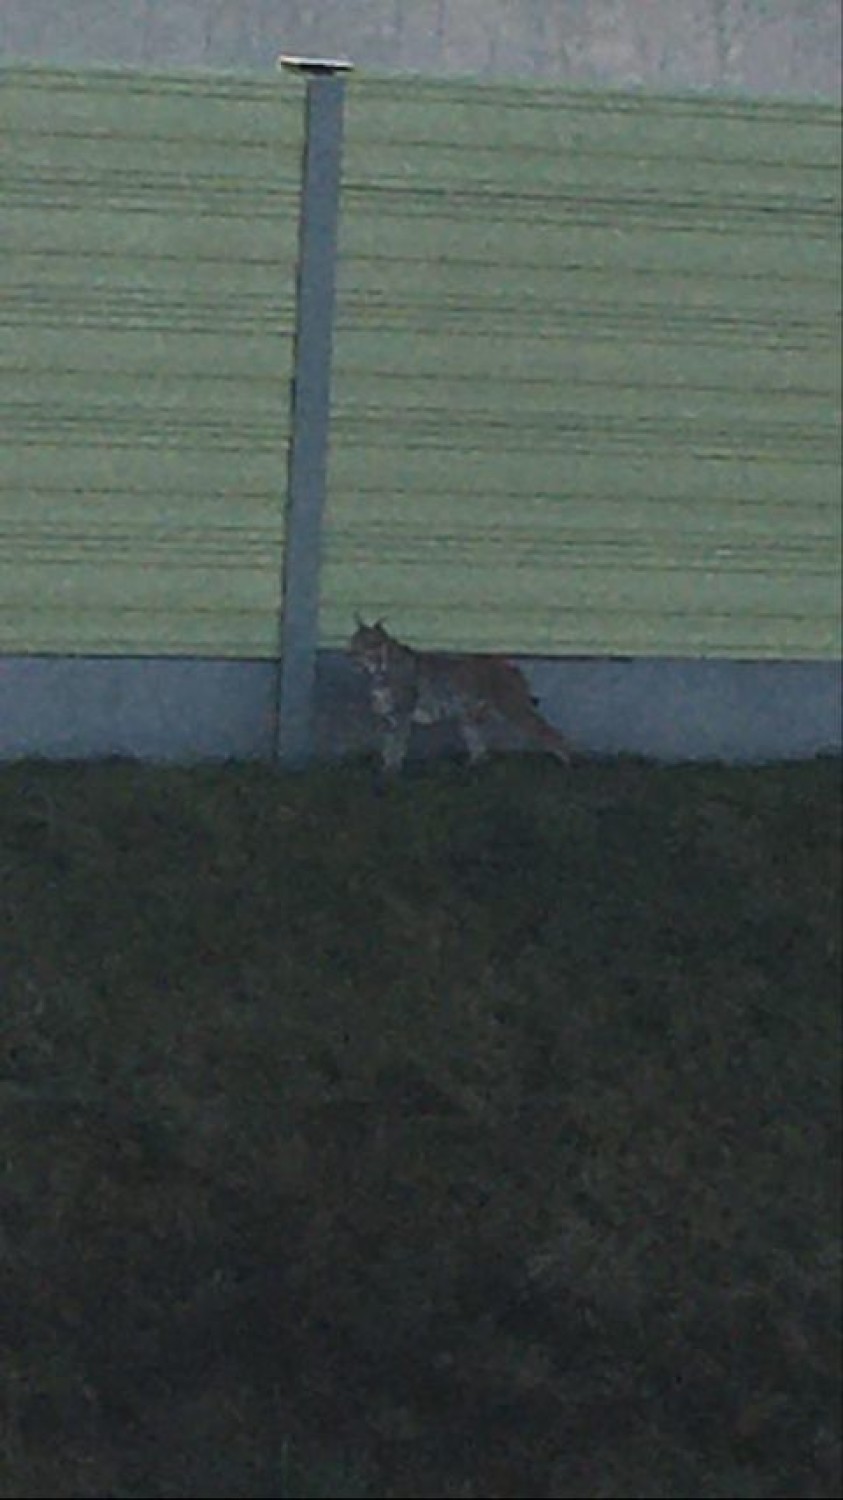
(781, 47)
(178, 709)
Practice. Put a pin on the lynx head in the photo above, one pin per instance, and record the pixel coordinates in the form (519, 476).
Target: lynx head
(369, 645)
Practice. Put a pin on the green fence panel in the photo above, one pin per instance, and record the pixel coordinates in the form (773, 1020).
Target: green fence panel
(146, 309)
(587, 368)
(587, 373)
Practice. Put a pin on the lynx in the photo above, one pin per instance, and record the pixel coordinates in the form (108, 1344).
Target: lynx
(410, 687)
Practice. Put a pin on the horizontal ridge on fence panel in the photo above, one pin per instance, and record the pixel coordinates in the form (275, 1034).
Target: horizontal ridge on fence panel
(564, 520)
(97, 79)
(633, 540)
(622, 211)
(599, 296)
(607, 587)
(606, 322)
(143, 501)
(797, 557)
(581, 502)
(661, 374)
(698, 267)
(166, 544)
(808, 442)
(151, 240)
(111, 269)
(91, 471)
(101, 102)
(413, 111)
(406, 246)
(127, 428)
(453, 406)
(208, 193)
(527, 482)
(803, 369)
(46, 142)
(549, 183)
(248, 318)
(84, 629)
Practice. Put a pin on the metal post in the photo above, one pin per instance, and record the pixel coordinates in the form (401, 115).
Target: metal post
(310, 401)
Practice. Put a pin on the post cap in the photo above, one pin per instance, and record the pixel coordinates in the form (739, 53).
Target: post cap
(313, 64)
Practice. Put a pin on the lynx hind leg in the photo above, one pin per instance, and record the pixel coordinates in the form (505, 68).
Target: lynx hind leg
(545, 737)
(533, 724)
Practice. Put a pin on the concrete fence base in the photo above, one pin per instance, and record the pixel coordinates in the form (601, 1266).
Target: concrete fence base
(189, 709)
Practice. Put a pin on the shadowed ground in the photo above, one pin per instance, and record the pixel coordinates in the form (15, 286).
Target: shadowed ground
(475, 1137)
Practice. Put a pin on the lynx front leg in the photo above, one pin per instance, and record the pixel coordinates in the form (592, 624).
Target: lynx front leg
(395, 739)
(474, 740)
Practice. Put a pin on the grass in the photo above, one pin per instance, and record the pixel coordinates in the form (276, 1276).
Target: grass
(477, 1138)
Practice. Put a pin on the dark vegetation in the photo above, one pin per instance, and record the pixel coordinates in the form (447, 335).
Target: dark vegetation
(475, 1139)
